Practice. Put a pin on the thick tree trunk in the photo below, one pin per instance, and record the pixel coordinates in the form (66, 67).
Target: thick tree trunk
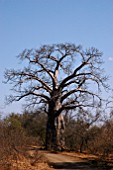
(60, 123)
(55, 124)
(55, 133)
(51, 134)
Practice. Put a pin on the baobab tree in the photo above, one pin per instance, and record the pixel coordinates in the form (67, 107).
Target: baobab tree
(59, 77)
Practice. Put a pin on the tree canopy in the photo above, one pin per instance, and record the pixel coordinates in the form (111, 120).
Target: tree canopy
(64, 68)
(58, 77)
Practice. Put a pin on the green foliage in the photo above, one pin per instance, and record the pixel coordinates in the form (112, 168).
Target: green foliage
(14, 121)
(32, 123)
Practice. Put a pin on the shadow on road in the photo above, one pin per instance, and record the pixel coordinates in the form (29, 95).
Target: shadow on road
(79, 166)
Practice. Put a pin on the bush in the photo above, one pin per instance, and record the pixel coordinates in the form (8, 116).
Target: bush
(12, 143)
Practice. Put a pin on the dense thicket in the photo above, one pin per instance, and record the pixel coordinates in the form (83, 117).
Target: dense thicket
(80, 135)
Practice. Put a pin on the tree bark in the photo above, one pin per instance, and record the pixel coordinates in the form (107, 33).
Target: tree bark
(60, 122)
(51, 134)
(55, 125)
(55, 133)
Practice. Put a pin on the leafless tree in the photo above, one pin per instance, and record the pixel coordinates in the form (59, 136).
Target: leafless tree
(60, 77)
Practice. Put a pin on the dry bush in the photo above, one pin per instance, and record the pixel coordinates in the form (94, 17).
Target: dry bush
(101, 139)
(12, 144)
(95, 139)
(76, 135)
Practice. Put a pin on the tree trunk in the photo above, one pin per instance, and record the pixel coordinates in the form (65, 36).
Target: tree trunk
(51, 134)
(60, 125)
(81, 145)
(55, 125)
(55, 133)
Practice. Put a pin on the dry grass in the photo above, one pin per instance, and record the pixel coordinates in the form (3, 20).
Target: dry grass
(31, 160)
(15, 153)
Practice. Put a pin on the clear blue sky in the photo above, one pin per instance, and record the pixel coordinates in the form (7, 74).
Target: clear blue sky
(31, 23)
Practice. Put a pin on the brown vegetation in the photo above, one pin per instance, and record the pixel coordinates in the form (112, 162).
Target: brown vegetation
(15, 152)
(20, 133)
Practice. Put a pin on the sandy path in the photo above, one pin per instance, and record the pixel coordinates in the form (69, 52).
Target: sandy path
(56, 158)
(61, 161)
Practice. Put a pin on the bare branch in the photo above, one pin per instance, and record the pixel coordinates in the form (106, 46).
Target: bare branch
(60, 73)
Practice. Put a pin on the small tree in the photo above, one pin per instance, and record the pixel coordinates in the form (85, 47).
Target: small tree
(34, 124)
(59, 77)
(77, 132)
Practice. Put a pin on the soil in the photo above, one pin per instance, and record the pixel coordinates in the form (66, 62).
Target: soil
(75, 161)
(35, 159)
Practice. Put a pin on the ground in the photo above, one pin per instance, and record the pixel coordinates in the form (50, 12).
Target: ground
(77, 161)
(35, 159)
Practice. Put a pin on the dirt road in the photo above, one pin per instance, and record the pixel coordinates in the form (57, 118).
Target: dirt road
(70, 162)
